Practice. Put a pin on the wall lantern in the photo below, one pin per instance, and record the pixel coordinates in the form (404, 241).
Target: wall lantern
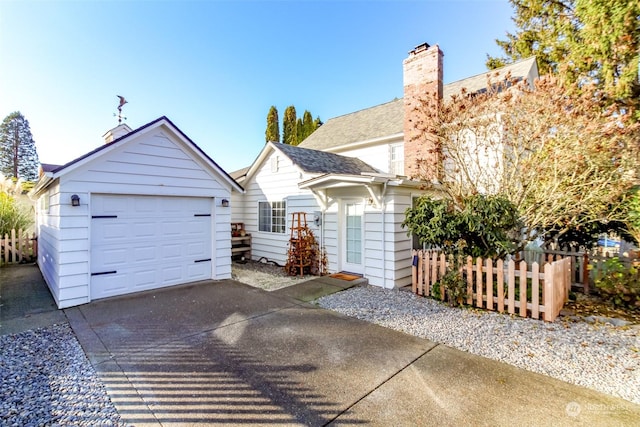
(75, 200)
(224, 203)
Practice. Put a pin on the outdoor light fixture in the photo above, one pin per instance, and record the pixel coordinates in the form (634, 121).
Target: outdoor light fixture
(224, 203)
(75, 200)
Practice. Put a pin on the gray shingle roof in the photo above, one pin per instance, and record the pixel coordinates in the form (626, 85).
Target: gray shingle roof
(387, 119)
(322, 162)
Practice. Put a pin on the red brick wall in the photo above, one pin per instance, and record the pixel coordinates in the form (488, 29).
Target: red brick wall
(422, 72)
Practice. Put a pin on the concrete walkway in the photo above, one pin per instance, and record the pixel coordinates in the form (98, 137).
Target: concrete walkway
(221, 352)
(25, 300)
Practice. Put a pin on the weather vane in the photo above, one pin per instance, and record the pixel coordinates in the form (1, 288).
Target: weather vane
(122, 102)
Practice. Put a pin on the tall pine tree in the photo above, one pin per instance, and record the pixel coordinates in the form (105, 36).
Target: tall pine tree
(272, 134)
(294, 129)
(290, 126)
(584, 41)
(18, 155)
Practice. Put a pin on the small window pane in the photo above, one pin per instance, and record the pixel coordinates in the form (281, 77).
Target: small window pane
(272, 216)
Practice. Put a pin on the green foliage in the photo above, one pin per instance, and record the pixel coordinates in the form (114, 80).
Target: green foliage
(455, 286)
(620, 284)
(294, 130)
(477, 225)
(290, 126)
(272, 134)
(18, 155)
(595, 41)
(632, 222)
(12, 215)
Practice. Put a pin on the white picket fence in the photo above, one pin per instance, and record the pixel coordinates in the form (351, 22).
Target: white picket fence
(17, 247)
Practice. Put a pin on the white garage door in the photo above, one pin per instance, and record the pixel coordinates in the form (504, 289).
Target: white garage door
(146, 242)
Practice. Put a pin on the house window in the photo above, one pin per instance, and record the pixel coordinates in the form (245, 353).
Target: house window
(44, 203)
(396, 159)
(272, 216)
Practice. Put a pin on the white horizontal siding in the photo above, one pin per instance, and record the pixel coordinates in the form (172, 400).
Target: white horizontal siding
(279, 185)
(375, 155)
(156, 164)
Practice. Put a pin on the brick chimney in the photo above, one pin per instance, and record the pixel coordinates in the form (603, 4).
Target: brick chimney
(422, 75)
(115, 133)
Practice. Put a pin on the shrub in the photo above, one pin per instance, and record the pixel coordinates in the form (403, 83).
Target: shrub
(12, 216)
(620, 284)
(455, 286)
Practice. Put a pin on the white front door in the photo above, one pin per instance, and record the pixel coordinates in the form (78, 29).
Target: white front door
(352, 237)
(146, 242)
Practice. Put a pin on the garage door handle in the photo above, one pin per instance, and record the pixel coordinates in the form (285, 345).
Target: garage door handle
(104, 216)
(103, 273)
(201, 214)
(202, 260)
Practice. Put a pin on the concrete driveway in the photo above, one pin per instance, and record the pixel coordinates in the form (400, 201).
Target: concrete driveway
(226, 353)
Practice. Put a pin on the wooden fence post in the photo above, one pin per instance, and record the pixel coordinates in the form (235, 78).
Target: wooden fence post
(500, 289)
(479, 287)
(523, 289)
(469, 280)
(585, 273)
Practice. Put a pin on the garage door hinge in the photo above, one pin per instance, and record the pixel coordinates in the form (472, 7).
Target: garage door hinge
(104, 216)
(202, 260)
(104, 272)
(201, 214)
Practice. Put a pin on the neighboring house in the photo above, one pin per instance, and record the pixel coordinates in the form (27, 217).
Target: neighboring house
(351, 176)
(146, 210)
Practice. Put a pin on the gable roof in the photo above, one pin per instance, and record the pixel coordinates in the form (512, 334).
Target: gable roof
(314, 161)
(386, 120)
(51, 172)
(309, 161)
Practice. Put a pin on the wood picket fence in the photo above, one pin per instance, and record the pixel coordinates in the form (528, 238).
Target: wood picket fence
(17, 247)
(503, 286)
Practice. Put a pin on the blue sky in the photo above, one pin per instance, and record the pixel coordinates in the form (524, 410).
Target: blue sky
(214, 67)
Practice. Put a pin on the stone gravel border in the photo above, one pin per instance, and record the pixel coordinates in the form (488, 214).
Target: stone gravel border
(46, 379)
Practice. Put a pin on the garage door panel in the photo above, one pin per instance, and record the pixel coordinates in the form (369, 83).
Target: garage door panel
(149, 242)
(143, 279)
(172, 229)
(107, 231)
(109, 284)
(198, 269)
(143, 229)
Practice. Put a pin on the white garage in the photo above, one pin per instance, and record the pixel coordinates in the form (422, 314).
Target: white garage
(148, 209)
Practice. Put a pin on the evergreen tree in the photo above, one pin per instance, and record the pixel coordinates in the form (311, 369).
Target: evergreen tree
(299, 131)
(308, 125)
(272, 134)
(289, 126)
(18, 155)
(582, 41)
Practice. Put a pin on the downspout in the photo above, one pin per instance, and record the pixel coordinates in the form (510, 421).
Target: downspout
(383, 208)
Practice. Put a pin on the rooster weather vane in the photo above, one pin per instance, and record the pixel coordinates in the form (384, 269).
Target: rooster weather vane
(120, 105)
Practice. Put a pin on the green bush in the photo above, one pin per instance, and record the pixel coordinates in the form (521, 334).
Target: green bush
(620, 284)
(12, 215)
(455, 286)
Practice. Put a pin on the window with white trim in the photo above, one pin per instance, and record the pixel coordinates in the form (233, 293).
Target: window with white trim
(272, 216)
(396, 159)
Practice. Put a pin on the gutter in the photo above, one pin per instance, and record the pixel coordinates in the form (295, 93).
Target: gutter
(46, 179)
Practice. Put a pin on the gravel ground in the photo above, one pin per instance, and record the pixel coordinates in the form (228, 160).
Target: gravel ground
(262, 275)
(46, 379)
(598, 356)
